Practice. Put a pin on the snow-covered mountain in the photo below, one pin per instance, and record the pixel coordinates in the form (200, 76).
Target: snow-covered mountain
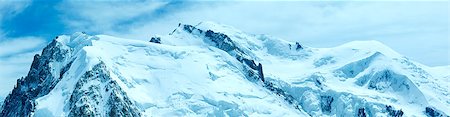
(212, 69)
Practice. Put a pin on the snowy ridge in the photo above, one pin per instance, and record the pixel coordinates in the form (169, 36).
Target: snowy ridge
(372, 56)
(211, 69)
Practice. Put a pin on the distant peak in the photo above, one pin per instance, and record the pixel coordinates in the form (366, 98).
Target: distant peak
(365, 42)
(371, 45)
(208, 25)
(214, 26)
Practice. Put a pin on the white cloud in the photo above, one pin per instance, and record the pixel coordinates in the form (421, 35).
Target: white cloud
(10, 47)
(102, 16)
(11, 8)
(13, 68)
(16, 56)
(14, 53)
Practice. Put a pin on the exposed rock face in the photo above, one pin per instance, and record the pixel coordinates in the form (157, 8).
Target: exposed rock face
(325, 103)
(39, 81)
(224, 42)
(95, 93)
(432, 112)
(156, 40)
(260, 71)
(392, 112)
(254, 72)
(361, 112)
(385, 77)
(298, 46)
(111, 84)
(94, 87)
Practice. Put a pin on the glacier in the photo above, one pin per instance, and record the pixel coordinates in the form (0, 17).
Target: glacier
(211, 69)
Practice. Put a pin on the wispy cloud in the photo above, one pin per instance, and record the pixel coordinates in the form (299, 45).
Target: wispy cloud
(416, 29)
(101, 17)
(31, 18)
(13, 68)
(16, 52)
(11, 47)
(16, 56)
(11, 8)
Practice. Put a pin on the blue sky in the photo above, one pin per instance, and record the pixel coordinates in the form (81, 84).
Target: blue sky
(416, 29)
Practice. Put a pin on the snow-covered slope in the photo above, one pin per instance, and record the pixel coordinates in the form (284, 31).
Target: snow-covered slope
(215, 70)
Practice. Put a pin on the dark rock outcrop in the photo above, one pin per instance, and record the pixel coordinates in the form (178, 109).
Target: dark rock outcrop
(250, 63)
(156, 40)
(221, 40)
(325, 103)
(254, 72)
(88, 96)
(361, 112)
(392, 112)
(432, 112)
(39, 81)
(224, 42)
(260, 71)
(188, 28)
(298, 46)
(280, 92)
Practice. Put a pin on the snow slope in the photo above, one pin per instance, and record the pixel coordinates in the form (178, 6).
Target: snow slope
(358, 75)
(211, 69)
(160, 80)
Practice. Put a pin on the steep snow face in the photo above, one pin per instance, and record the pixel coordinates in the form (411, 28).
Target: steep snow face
(212, 69)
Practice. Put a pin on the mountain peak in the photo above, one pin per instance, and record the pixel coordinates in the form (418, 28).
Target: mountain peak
(371, 45)
(217, 27)
(212, 69)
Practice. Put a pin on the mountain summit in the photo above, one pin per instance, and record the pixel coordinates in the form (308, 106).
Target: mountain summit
(211, 69)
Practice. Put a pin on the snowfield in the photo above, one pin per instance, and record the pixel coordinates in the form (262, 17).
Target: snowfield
(210, 69)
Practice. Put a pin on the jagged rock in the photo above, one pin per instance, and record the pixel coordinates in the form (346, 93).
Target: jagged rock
(325, 103)
(119, 102)
(250, 63)
(298, 46)
(361, 112)
(156, 40)
(260, 71)
(84, 96)
(385, 76)
(255, 73)
(392, 112)
(39, 81)
(84, 102)
(64, 69)
(188, 28)
(222, 41)
(432, 112)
